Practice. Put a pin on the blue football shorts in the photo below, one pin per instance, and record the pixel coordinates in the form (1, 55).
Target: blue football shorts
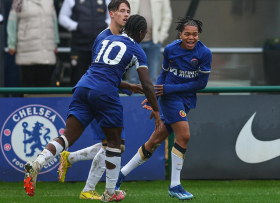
(98, 132)
(88, 104)
(172, 112)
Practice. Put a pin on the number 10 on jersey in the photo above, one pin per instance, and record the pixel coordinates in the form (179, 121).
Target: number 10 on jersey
(109, 49)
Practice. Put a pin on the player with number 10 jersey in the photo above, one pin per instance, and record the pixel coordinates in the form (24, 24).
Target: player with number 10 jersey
(113, 56)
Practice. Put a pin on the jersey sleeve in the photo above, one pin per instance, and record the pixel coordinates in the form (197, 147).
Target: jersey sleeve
(94, 46)
(93, 49)
(192, 86)
(165, 68)
(140, 58)
(205, 66)
(165, 62)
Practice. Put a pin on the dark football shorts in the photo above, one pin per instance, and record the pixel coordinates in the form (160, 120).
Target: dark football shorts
(88, 104)
(172, 112)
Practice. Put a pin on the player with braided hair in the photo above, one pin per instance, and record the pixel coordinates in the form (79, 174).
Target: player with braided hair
(119, 11)
(185, 70)
(96, 97)
(182, 22)
(137, 24)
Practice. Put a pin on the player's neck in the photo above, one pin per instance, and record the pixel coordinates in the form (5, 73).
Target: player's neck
(114, 29)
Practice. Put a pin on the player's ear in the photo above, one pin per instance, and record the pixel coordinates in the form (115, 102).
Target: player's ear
(180, 35)
(111, 13)
(142, 33)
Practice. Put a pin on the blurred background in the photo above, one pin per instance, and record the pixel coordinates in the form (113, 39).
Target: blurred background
(242, 35)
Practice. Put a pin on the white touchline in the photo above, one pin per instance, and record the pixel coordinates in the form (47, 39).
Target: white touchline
(251, 150)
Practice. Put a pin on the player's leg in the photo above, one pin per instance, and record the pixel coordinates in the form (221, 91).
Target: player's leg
(79, 116)
(69, 158)
(143, 154)
(95, 173)
(175, 114)
(110, 117)
(97, 169)
(73, 130)
(182, 132)
(98, 165)
(113, 164)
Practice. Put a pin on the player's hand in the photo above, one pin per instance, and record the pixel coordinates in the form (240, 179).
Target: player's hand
(159, 90)
(146, 105)
(158, 121)
(12, 51)
(135, 88)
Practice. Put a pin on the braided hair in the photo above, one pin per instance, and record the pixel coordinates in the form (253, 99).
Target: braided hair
(115, 4)
(182, 22)
(134, 25)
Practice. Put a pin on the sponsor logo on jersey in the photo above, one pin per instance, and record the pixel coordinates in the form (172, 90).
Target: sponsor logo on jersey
(27, 131)
(182, 114)
(184, 74)
(194, 62)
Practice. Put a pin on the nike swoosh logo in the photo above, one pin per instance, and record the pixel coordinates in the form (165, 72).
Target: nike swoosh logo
(251, 150)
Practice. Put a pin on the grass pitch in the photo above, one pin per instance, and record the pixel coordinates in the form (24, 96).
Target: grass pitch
(150, 192)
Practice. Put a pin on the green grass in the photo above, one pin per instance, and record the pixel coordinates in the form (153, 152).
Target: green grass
(150, 192)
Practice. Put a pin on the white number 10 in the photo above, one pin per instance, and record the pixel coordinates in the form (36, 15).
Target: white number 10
(106, 59)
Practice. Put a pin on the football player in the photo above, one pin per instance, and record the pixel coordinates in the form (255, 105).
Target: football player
(96, 97)
(185, 70)
(119, 11)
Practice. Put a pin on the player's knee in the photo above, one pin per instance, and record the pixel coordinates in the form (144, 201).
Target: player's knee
(114, 143)
(145, 154)
(187, 137)
(183, 139)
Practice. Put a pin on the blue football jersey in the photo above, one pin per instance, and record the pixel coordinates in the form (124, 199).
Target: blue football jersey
(102, 35)
(112, 57)
(105, 33)
(182, 68)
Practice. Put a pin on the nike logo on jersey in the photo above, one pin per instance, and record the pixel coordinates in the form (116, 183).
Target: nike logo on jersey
(251, 150)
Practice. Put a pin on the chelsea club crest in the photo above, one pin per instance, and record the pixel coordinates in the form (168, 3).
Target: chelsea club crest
(27, 131)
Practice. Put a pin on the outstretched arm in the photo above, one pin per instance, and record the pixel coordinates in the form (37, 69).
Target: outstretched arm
(149, 91)
(148, 87)
(129, 89)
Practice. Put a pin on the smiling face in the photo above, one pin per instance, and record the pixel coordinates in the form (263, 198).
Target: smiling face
(121, 15)
(189, 37)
